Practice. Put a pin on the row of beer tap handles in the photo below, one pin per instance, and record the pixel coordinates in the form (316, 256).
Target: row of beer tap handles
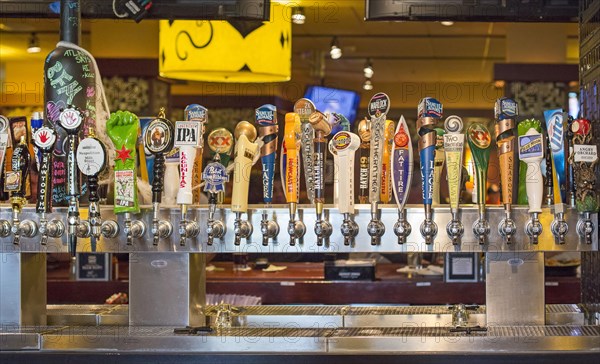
(386, 169)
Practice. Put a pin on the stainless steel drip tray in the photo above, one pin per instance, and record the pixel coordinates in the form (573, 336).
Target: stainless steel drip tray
(15, 338)
(318, 340)
(311, 316)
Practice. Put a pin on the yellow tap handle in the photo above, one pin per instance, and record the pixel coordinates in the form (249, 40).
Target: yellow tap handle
(292, 123)
(245, 151)
(385, 195)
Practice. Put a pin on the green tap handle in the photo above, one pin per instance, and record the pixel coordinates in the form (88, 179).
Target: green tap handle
(480, 140)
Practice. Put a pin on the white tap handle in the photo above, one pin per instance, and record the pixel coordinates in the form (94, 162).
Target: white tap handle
(187, 139)
(336, 166)
(531, 151)
(245, 151)
(346, 144)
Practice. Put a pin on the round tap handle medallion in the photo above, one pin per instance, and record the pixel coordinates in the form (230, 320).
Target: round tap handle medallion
(304, 108)
(479, 136)
(453, 124)
(3, 124)
(91, 156)
(70, 119)
(379, 105)
(158, 136)
(220, 140)
(44, 138)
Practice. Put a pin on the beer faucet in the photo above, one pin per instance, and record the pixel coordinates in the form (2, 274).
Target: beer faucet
(91, 160)
(345, 145)
(188, 138)
(304, 108)
(531, 151)
(296, 228)
(379, 106)
(71, 120)
(506, 110)
(555, 125)
(402, 171)
(159, 139)
(585, 160)
(44, 139)
(15, 183)
(266, 118)
(454, 144)
(123, 128)
(322, 128)
(245, 151)
(429, 111)
(364, 132)
(480, 140)
(215, 176)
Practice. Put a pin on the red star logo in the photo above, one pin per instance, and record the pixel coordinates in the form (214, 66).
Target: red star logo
(124, 154)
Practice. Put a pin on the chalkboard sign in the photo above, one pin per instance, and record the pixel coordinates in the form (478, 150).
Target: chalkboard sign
(93, 266)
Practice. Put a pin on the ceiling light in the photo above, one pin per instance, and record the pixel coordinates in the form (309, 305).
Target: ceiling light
(368, 85)
(336, 51)
(368, 70)
(447, 23)
(298, 16)
(34, 44)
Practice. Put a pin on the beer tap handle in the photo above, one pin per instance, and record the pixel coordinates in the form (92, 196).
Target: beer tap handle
(245, 151)
(44, 139)
(386, 163)
(304, 108)
(158, 138)
(215, 176)
(122, 128)
(345, 145)
(402, 170)
(296, 228)
(480, 141)
(438, 165)
(454, 143)
(531, 151)
(16, 183)
(429, 112)
(364, 132)
(199, 114)
(266, 118)
(555, 125)
(571, 178)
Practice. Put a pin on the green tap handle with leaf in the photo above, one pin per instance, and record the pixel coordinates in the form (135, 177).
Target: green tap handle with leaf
(123, 128)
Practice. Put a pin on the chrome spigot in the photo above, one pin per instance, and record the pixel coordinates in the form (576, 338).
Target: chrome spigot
(455, 229)
(559, 228)
(215, 228)
(481, 228)
(134, 229)
(533, 228)
(585, 228)
(269, 229)
(241, 228)
(428, 228)
(402, 228)
(26, 228)
(460, 314)
(376, 228)
(349, 230)
(109, 229)
(161, 229)
(187, 228)
(54, 228)
(323, 230)
(296, 228)
(507, 227)
(5, 228)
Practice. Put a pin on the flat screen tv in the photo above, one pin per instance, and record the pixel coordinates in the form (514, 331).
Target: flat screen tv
(327, 99)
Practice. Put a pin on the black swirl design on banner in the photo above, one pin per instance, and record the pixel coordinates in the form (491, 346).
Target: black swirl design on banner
(191, 40)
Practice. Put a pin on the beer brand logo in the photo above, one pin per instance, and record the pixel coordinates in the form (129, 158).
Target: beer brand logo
(186, 133)
(556, 131)
(90, 156)
(430, 107)
(220, 140)
(341, 140)
(215, 176)
(304, 107)
(196, 112)
(379, 104)
(265, 115)
(158, 136)
(401, 138)
(3, 123)
(70, 118)
(506, 108)
(531, 146)
(44, 138)
(480, 136)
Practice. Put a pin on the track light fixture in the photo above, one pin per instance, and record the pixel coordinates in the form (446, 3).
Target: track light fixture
(34, 44)
(368, 70)
(368, 85)
(298, 16)
(336, 51)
